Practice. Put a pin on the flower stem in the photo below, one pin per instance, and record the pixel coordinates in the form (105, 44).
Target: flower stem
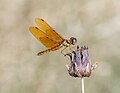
(82, 82)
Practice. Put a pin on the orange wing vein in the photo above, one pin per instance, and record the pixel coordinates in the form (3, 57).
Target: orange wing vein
(41, 36)
(48, 30)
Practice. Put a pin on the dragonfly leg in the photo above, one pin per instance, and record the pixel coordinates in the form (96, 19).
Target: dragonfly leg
(72, 48)
(62, 51)
(67, 66)
(66, 51)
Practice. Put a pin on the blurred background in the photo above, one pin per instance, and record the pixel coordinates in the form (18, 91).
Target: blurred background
(95, 23)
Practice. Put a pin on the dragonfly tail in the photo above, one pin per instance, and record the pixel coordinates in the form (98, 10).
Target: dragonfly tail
(48, 50)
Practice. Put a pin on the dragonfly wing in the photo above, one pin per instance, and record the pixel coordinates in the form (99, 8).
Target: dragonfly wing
(48, 30)
(41, 36)
(49, 43)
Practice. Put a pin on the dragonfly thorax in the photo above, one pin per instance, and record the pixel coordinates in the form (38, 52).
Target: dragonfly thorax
(68, 42)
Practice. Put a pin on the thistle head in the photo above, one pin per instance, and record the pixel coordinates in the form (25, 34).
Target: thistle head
(80, 65)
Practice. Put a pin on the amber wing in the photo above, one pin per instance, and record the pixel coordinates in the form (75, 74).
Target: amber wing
(51, 33)
(43, 37)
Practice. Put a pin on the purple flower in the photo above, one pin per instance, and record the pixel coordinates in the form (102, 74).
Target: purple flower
(80, 65)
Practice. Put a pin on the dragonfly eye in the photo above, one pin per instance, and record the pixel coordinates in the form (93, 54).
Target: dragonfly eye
(73, 40)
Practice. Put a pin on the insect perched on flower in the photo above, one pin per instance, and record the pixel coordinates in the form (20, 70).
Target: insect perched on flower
(80, 65)
(50, 38)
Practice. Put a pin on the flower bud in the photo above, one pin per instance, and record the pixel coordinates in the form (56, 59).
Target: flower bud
(80, 65)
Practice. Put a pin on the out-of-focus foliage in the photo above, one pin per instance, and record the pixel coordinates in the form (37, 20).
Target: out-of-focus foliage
(95, 23)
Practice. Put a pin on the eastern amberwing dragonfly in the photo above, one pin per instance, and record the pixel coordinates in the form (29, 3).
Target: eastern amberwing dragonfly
(49, 37)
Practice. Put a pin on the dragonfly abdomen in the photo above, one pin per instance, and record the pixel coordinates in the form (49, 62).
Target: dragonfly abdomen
(49, 50)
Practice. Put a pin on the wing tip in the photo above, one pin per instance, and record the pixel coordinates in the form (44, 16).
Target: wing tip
(38, 19)
(30, 28)
(33, 27)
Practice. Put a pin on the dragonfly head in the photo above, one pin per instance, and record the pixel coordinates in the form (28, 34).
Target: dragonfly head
(73, 40)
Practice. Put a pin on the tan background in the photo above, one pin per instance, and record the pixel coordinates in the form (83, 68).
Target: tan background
(95, 23)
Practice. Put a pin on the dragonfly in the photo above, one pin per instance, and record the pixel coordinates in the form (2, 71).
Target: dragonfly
(49, 37)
